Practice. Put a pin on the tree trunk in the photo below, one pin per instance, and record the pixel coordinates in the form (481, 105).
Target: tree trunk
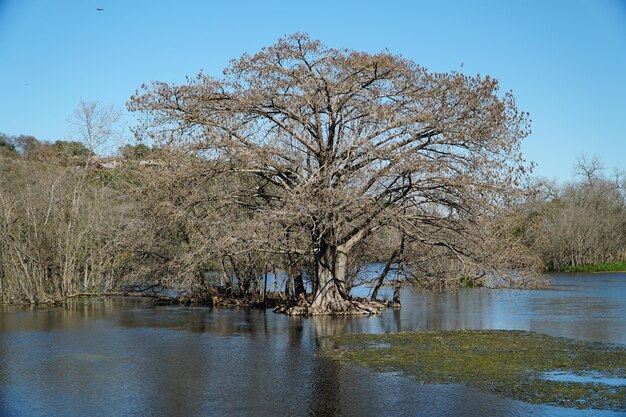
(381, 278)
(288, 286)
(396, 286)
(300, 290)
(297, 286)
(330, 296)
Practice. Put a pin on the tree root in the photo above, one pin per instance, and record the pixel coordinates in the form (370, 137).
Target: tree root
(336, 308)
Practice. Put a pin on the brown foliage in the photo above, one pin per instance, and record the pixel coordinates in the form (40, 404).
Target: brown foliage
(580, 223)
(339, 144)
(59, 231)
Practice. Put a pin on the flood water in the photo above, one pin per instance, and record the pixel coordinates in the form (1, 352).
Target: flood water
(128, 357)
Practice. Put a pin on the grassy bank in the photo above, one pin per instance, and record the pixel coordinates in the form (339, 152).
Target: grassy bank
(510, 363)
(614, 267)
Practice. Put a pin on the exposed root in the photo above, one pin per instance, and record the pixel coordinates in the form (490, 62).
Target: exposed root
(336, 308)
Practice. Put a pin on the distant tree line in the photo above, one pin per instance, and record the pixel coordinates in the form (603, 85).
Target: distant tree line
(31, 148)
(579, 223)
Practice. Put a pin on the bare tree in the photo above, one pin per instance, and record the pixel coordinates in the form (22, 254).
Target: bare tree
(344, 143)
(94, 124)
(580, 223)
(58, 237)
(589, 168)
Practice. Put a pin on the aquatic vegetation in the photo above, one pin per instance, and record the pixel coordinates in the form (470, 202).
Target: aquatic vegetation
(509, 363)
(613, 267)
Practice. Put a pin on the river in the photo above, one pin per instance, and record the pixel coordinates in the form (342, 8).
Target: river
(128, 357)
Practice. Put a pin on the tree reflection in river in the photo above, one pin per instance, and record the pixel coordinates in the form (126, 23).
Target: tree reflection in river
(118, 357)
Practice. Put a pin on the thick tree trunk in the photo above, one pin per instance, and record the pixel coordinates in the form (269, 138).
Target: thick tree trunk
(330, 296)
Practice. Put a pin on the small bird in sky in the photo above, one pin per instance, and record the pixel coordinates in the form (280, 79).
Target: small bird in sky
(100, 10)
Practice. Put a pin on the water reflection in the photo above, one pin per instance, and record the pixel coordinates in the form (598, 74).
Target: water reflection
(586, 307)
(119, 357)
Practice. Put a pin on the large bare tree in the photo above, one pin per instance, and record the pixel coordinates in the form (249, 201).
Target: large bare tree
(344, 143)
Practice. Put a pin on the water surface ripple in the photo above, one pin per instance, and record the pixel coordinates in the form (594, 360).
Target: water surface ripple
(127, 357)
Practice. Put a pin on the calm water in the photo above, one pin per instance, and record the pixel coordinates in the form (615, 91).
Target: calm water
(127, 357)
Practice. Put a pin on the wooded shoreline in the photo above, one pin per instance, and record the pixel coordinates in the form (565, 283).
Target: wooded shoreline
(308, 163)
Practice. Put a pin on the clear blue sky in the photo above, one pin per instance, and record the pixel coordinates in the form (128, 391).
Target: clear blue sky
(564, 60)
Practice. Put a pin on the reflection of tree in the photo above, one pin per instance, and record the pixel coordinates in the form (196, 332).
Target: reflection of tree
(72, 315)
(128, 357)
(5, 395)
(585, 317)
(177, 376)
(397, 320)
(329, 326)
(463, 309)
(335, 391)
(327, 390)
(218, 321)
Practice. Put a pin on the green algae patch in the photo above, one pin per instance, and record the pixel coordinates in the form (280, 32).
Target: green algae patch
(510, 363)
(614, 267)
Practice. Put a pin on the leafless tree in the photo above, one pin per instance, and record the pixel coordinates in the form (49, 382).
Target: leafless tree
(53, 244)
(580, 223)
(59, 220)
(95, 124)
(344, 143)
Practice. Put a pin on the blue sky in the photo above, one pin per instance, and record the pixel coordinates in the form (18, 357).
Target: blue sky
(564, 60)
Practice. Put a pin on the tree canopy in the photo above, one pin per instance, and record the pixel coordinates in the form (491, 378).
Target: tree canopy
(343, 144)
